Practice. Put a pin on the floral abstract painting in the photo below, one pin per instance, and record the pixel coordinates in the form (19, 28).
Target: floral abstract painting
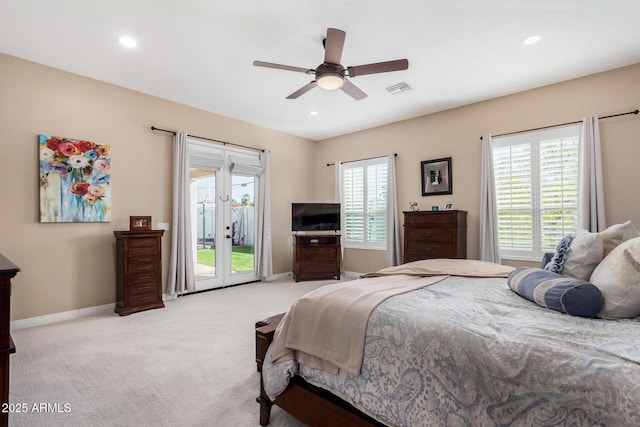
(75, 180)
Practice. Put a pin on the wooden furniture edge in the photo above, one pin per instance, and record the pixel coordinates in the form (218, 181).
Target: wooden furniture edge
(308, 403)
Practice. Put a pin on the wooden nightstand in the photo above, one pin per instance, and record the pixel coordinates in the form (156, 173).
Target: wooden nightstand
(317, 257)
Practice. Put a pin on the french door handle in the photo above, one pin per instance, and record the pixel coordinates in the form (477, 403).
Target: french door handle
(224, 200)
(227, 236)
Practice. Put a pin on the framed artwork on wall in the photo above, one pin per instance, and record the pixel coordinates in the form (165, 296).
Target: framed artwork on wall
(436, 177)
(75, 180)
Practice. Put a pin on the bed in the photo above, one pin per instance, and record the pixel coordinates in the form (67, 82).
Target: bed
(459, 348)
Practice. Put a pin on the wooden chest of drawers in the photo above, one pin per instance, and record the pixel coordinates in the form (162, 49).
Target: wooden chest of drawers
(435, 234)
(7, 271)
(139, 271)
(317, 257)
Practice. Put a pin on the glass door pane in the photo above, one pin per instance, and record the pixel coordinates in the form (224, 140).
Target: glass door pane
(203, 224)
(243, 233)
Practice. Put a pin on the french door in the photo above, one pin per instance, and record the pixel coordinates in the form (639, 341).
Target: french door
(224, 184)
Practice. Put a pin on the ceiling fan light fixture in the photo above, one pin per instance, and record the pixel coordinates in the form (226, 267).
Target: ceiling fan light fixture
(331, 81)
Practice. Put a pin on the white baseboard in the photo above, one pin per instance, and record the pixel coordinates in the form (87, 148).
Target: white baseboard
(58, 317)
(72, 314)
(352, 274)
(287, 275)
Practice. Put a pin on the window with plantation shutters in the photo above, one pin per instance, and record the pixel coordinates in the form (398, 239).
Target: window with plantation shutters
(364, 204)
(536, 178)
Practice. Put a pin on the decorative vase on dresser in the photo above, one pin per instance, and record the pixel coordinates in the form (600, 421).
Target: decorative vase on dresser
(435, 234)
(138, 270)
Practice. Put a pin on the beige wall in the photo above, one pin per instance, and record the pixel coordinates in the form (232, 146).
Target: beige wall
(456, 133)
(71, 266)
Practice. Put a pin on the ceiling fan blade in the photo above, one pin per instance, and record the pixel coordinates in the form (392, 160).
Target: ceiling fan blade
(283, 67)
(333, 45)
(352, 90)
(378, 67)
(304, 89)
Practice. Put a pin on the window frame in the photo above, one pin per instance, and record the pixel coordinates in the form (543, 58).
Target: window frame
(365, 243)
(534, 139)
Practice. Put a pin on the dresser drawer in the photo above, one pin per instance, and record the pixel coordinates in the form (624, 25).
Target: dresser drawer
(317, 240)
(142, 243)
(431, 218)
(424, 250)
(317, 254)
(144, 259)
(142, 251)
(145, 298)
(319, 268)
(142, 268)
(141, 288)
(146, 277)
(429, 234)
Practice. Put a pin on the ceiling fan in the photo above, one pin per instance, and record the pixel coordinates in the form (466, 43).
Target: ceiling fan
(331, 75)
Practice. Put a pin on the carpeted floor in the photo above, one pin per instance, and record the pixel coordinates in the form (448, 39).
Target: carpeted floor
(191, 363)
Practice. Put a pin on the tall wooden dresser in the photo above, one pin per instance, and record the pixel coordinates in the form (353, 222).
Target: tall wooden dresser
(7, 272)
(317, 257)
(138, 271)
(435, 234)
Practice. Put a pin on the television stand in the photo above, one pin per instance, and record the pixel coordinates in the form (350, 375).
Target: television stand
(317, 257)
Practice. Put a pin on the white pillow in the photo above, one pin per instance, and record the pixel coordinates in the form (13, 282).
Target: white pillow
(616, 234)
(583, 256)
(618, 278)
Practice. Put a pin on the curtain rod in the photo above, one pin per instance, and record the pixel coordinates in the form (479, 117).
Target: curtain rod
(563, 124)
(360, 160)
(208, 139)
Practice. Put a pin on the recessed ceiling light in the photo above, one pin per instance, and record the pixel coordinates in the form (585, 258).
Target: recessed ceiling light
(128, 41)
(313, 113)
(532, 40)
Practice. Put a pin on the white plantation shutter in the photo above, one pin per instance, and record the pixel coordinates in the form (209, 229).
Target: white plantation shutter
(558, 190)
(514, 198)
(536, 176)
(353, 204)
(365, 203)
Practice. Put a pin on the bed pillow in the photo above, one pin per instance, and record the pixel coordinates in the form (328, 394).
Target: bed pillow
(618, 278)
(556, 263)
(583, 256)
(616, 234)
(556, 292)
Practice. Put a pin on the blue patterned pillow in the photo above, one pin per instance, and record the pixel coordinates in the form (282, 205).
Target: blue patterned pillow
(557, 262)
(551, 290)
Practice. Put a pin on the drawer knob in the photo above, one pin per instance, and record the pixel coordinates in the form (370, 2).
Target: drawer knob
(428, 249)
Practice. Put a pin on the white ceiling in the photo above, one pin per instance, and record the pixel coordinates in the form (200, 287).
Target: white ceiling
(200, 52)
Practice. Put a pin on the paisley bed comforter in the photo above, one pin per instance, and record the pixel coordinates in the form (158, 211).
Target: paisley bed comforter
(470, 352)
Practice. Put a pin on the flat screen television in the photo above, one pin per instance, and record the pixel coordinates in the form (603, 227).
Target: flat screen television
(315, 216)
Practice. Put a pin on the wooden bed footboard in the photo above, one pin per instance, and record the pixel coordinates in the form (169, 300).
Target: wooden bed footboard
(308, 403)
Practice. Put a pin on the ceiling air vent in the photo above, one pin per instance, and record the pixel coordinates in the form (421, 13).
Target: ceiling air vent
(399, 88)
